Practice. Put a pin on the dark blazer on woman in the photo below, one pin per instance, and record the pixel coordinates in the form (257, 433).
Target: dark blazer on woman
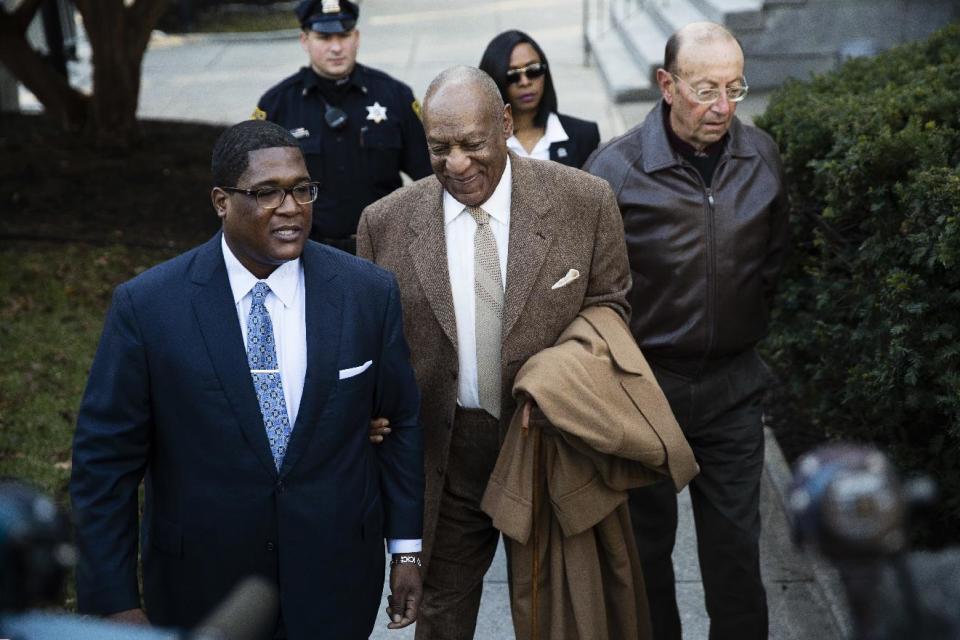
(584, 138)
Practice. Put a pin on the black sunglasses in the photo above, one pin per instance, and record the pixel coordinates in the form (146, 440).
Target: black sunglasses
(532, 71)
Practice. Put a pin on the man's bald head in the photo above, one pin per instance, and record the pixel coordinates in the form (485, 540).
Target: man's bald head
(465, 81)
(695, 35)
(467, 127)
(703, 67)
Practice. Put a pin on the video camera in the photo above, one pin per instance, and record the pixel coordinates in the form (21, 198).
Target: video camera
(36, 555)
(848, 503)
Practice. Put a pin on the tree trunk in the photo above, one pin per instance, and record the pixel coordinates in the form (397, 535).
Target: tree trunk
(119, 31)
(119, 36)
(52, 90)
(116, 75)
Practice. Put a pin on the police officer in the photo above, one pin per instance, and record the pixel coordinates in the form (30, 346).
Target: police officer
(357, 126)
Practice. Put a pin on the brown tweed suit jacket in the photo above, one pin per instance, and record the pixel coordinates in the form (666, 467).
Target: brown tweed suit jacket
(560, 219)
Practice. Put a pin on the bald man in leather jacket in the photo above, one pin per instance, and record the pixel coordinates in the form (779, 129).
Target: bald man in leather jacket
(706, 220)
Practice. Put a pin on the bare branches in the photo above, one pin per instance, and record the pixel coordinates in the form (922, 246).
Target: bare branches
(38, 75)
(22, 15)
(119, 32)
(142, 15)
(14, 23)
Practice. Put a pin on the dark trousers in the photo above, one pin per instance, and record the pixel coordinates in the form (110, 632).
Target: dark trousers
(465, 540)
(720, 414)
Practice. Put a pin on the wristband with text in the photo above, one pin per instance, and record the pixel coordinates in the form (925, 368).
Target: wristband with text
(405, 558)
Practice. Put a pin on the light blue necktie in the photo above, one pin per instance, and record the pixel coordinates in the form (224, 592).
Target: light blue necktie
(262, 356)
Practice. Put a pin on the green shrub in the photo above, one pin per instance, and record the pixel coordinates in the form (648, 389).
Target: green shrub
(866, 332)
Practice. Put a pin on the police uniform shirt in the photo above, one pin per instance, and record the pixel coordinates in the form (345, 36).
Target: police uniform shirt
(360, 162)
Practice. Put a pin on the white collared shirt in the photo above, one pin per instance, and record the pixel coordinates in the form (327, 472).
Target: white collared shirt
(553, 132)
(287, 308)
(459, 228)
(286, 304)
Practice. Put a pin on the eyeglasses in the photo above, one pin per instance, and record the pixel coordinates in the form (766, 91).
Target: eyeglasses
(709, 96)
(532, 71)
(272, 197)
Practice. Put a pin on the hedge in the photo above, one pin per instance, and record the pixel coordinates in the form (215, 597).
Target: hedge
(865, 335)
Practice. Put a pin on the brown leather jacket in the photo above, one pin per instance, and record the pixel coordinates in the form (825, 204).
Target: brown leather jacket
(704, 261)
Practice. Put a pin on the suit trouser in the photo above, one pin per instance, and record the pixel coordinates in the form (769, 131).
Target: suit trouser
(465, 540)
(720, 414)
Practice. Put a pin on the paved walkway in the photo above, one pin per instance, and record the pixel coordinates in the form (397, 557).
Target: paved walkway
(219, 79)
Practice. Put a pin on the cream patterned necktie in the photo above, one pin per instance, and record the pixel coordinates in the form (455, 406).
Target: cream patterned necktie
(488, 289)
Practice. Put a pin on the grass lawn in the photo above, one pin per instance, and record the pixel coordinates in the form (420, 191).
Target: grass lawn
(54, 299)
(236, 22)
(235, 17)
(76, 221)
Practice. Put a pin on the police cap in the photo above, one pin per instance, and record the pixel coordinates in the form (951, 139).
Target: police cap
(327, 16)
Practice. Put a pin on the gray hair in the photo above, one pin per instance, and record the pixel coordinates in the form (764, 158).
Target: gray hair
(466, 77)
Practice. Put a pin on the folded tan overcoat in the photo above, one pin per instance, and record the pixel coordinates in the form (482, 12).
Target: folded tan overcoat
(592, 423)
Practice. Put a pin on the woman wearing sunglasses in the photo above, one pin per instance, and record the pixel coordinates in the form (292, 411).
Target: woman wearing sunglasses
(519, 67)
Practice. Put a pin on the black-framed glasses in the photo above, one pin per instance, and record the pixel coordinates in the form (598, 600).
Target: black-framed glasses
(710, 95)
(532, 71)
(272, 197)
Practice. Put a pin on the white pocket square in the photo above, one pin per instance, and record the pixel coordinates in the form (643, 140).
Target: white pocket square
(355, 371)
(572, 275)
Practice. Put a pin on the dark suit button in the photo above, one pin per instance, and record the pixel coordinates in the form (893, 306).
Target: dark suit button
(280, 487)
(270, 545)
(439, 471)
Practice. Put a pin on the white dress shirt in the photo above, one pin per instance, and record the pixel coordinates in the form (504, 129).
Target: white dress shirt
(553, 132)
(459, 228)
(286, 304)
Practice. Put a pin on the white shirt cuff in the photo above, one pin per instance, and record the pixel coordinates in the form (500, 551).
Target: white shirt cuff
(404, 546)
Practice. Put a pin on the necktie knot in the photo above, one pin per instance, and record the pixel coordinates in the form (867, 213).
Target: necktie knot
(260, 291)
(478, 214)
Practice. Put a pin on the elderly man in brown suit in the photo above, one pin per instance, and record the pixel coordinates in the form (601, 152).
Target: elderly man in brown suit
(495, 256)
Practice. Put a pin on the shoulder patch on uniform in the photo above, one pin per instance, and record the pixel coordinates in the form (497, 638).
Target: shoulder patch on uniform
(415, 105)
(258, 114)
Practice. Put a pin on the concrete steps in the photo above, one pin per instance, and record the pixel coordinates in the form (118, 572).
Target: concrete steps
(780, 38)
(628, 44)
(737, 15)
(645, 39)
(626, 77)
(670, 15)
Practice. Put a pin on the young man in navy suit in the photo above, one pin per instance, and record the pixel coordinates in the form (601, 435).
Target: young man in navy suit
(238, 380)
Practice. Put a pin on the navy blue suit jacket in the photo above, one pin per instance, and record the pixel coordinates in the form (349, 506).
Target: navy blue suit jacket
(170, 398)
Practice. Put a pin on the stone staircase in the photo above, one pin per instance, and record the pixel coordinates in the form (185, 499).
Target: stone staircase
(780, 38)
